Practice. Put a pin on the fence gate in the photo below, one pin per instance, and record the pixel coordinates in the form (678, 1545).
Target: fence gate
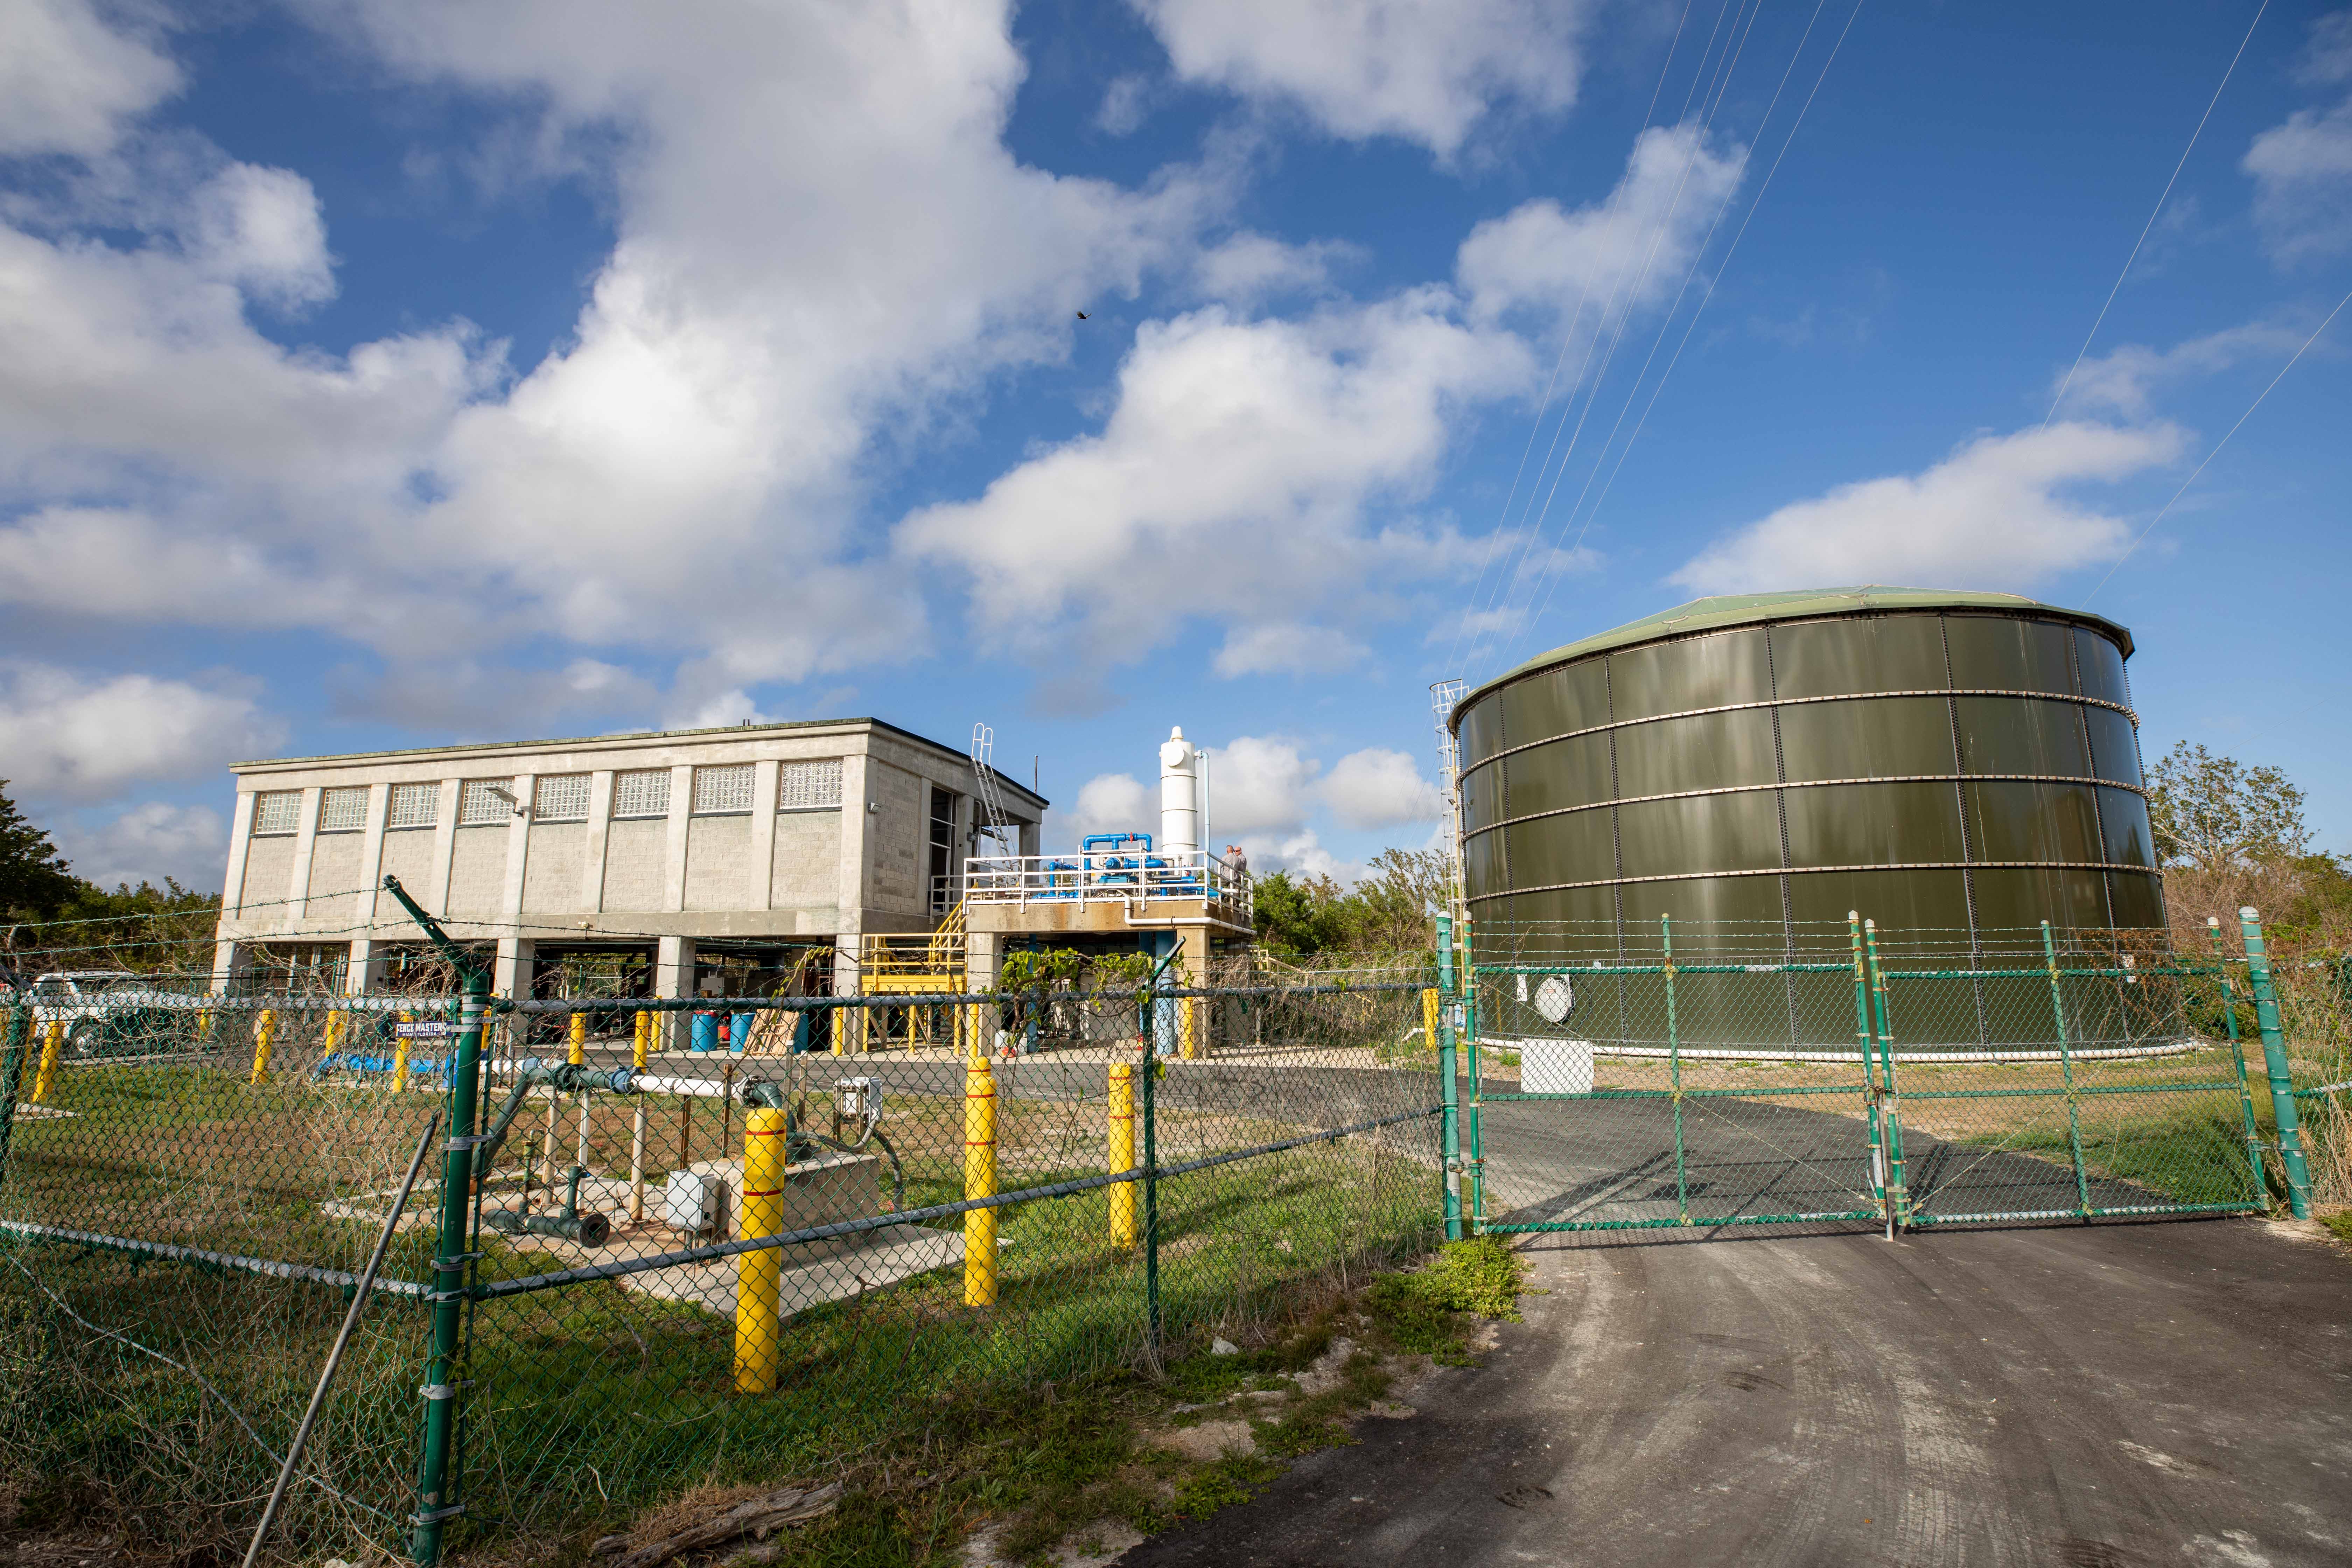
(1867, 1089)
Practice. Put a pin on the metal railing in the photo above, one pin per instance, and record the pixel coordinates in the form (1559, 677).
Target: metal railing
(1126, 876)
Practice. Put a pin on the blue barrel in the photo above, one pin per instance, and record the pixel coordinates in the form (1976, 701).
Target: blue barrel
(739, 1032)
(704, 1035)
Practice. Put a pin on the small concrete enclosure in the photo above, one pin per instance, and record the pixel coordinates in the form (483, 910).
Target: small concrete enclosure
(671, 863)
(1938, 761)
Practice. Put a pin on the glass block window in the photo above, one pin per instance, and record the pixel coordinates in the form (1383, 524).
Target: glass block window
(343, 810)
(414, 805)
(477, 806)
(805, 786)
(722, 789)
(561, 797)
(277, 810)
(644, 793)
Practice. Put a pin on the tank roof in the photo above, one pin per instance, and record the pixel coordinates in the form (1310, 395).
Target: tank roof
(1719, 611)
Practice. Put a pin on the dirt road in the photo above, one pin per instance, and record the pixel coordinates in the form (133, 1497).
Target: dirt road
(2107, 1397)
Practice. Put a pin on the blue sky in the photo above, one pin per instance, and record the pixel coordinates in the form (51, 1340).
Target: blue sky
(380, 373)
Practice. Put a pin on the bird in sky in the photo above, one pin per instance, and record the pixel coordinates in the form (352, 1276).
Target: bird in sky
(1082, 315)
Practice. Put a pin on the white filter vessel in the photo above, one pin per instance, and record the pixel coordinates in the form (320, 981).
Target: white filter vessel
(1179, 795)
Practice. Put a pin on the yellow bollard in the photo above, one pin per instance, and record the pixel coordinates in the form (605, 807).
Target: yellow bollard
(579, 1039)
(1123, 1228)
(980, 1182)
(757, 1328)
(265, 1029)
(840, 1032)
(52, 1039)
(333, 1034)
(642, 1043)
(1184, 1023)
(400, 1056)
(1429, 1018)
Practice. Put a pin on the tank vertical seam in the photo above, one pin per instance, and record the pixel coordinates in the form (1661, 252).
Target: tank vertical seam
(2091, 756)
(1960, 804)
(1781, 808)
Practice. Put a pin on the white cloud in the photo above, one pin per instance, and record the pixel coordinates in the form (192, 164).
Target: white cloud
(1286, 647)
(1989, 516)
(68, 82)
(2125, 381)
(1426, 70)
(70, 737)
(149, 843)
(262, 230)
(1126, 105)
(1259, 785)
(1618, 255)
(1240, 461)
(1377, 787)
(1302, 854)
(1248, 268)
(1113, 802)
(2302, 168)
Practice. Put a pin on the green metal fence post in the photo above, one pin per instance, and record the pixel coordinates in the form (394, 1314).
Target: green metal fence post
(1152, 1325)
(2237, 1054)
(437, 1479)
(12, 1078)
(1476, 1161)
(1898, 1195)
(1449, 1094)
(1675, 1069)
(2066, 1074)
(1869, 1066)
(2266, 1016)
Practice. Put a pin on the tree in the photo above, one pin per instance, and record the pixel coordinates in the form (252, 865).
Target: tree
(34, 881)
(2214, 814)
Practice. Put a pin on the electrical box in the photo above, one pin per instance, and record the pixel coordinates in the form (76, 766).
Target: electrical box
(859, 1098)
(691, 1202)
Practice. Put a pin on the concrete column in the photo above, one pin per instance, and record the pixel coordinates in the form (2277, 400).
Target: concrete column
(600, 820)
(512, 976)
(366, 970)
(435, 901)
(765, 776)
(673, 976)
(1029, 841)
(240, 833)
(518, 853)
(983, 956)
(857, 839)
(306, 842)
(372, 861)
(681, 812)
(229, 959)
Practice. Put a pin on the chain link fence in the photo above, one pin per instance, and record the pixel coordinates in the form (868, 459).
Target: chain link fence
(687, 1232)
(1714, 1076)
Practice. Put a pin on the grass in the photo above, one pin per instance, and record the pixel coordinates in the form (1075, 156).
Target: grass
(2339, 1224)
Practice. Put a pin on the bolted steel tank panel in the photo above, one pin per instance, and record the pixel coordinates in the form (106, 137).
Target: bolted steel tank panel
(1946, 763)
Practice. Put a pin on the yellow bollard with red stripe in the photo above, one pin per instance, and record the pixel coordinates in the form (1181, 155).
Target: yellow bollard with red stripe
(980, 1182)
(1123, 1228)
(758, 1328)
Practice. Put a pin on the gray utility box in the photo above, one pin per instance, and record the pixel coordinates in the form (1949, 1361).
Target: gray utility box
(833, 1186)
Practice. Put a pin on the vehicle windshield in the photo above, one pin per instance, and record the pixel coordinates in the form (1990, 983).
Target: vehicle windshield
(108, 982)
(50, 985)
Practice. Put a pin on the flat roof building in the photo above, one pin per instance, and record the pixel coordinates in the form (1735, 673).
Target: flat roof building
(675, 862)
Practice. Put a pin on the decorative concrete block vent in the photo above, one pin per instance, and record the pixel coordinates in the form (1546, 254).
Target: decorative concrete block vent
(831, 1187)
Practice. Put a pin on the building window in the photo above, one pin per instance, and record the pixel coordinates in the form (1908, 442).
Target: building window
(414, 805)
(343, 810)
(806, 786)
(723, 789)
(562, 797)
(645, 793)
(279, 811)
(477, 805)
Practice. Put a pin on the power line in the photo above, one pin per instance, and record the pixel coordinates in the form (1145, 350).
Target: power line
(2153, 213)
(2224, 441)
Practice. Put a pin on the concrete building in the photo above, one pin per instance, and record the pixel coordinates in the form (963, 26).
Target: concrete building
(670, 864)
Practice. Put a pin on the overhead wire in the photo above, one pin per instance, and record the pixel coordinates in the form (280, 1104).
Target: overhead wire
(1567, 338)
(1548, 586)
(2154, 213)
(1707, 296)
(1619, 309)
(2224, 441)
